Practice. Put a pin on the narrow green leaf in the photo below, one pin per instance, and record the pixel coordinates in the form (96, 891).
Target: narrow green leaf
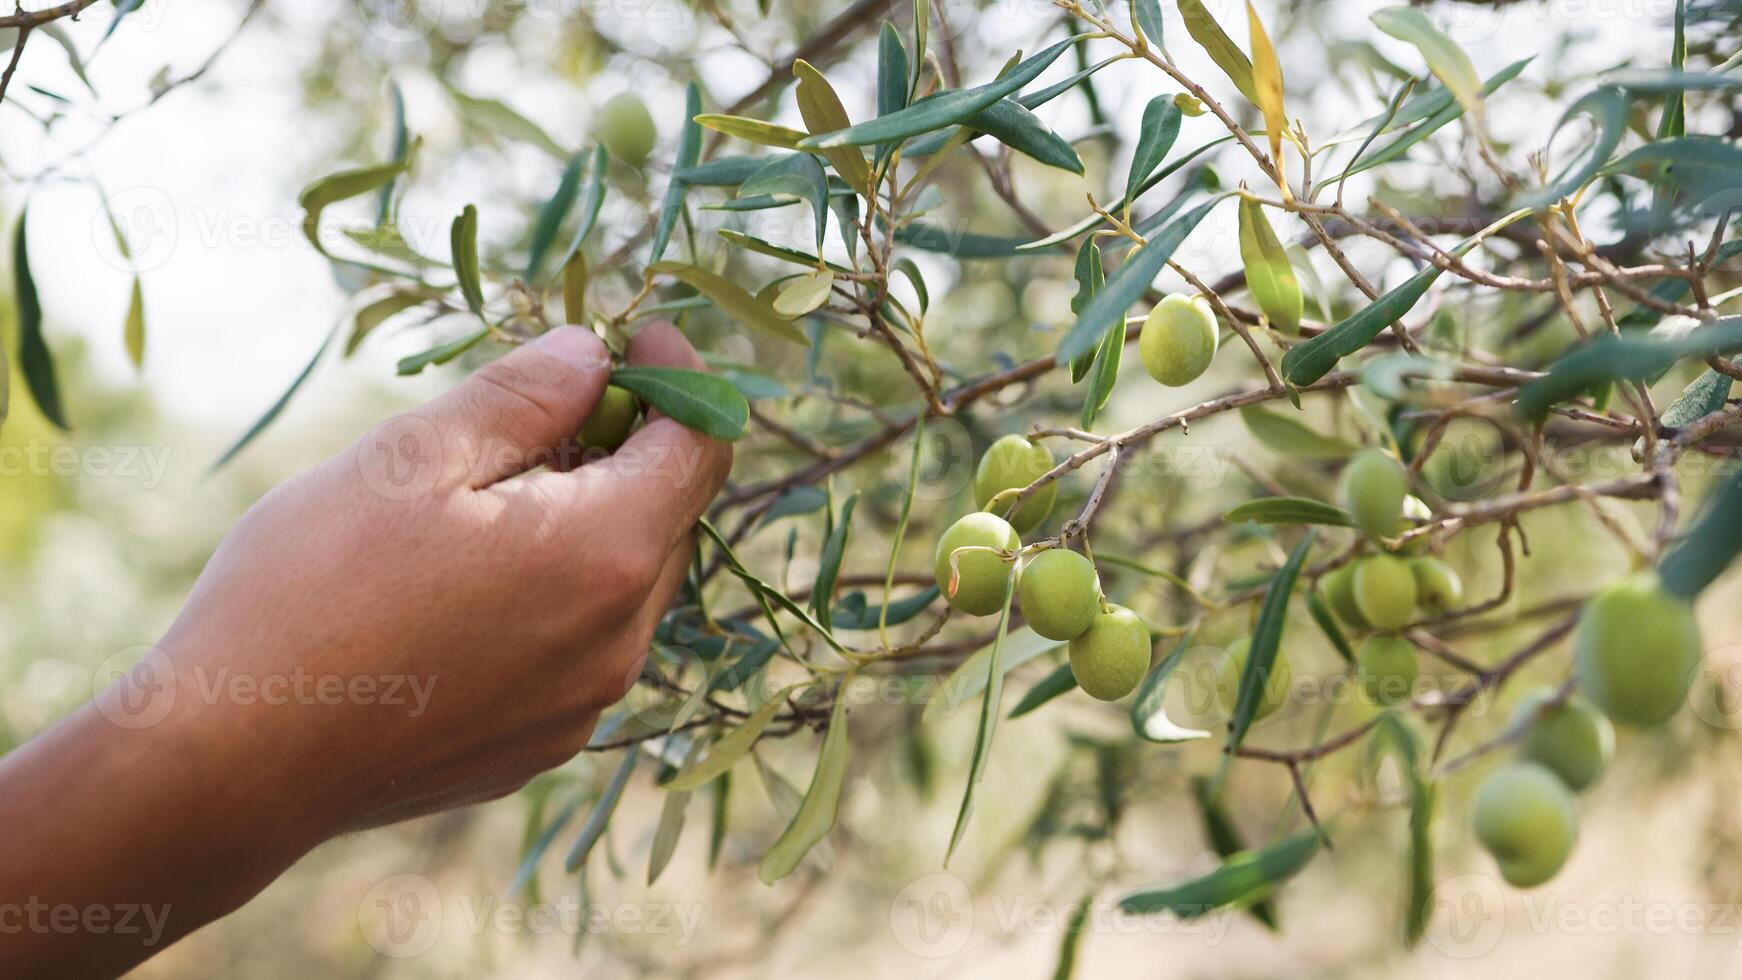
(1269, 276)
(989, 708)
(535, 851)
(667, 834)
(1307, 362)
(1090, 278)
(796, 175)
(1444, 109)
(344, 185)
(1266, 639)
(689, 151)
(969, 678)
(1608, 111)
(463, 239)
(892, 71)
(1243, 878)
(1267, 87)
(600, 817)
(961, 244)
(1627, 358)
(704, 402)
(1327, 624)
(752, 130)
(1202, 26)
(1010, 123)
(1061, 681)
(496, 115)
(766, 594)
(35, 359)
(550, 217)
(1160, 127)
(134, 331)
(1075, 925)
(1105, 373)
(1444, 58)
(1288, 510)
(805, 293)
(396, 151)
(1697, 165)
(1094, 221)
(900, 611)
(1708, 548)
(1290, 436)
(379, 311)
(1224, 838)
(823, 113)
(1149, 710)
(816, 814)
(1149, 20)
(1675, 111)
(441, 353)
(829, 565)
(1706, 394)
(1128, 284)
(278, 406)
(734, 301)
(721, 172)
(942, 109)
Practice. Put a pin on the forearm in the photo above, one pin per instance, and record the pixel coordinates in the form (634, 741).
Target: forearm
(120, 840)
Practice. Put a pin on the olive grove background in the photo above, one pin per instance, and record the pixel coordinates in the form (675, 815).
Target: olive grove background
(104, 527)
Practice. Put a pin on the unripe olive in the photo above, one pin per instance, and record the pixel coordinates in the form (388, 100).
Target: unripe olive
(1340, 594)
(982, 575)
(1060, 594)
(1388, 668)
(1276, 686)
(1178, 340)
(1437, 586)
(1384, 590)
(1013, 462)
(626, 128)
(1372, 489)
(1525, 817)
(1570, 738)
(1636, 651)
(1110, 658)
(609, 424)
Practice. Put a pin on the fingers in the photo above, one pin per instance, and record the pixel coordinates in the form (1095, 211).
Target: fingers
(509, 416)
(666, 474)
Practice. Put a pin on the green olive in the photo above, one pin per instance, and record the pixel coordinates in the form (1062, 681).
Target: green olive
(1372, 489)
(626, 128)
(1011, 463)
(1110, 658)
(1340, 594)
(609, 424)
(1437, 586)
(982, 575)
(1276, 686)
(1570, 738)
(1384, 589)
(1388, 669)
(1526, 818)
(1178, 340)
(1060, 594)
(1636, 651)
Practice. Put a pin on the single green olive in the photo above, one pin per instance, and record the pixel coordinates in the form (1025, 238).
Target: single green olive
(1571, 738)
(1384, 589)
(982, 575)
(1437, 586)
(1388, 669)
(1526, 818)
(1010, 463)
(1636, 651)
(626, 128)
(1110, 658)
(1178, 340)
(1372, 488)
(1340, 595)
(1060, 594)
(1233, 666)
(609, 424)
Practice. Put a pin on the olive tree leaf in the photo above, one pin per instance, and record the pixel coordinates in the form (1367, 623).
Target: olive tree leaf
(892, 71)
(499, 116)
(1445, 108)
(704, 402)
(344, 185)
(1269, 276)
(1090, 277)
(1160, 127)
(1061, 681)
(795, 175)
(829, 565)
(1149, 710)
(1626, 358)
(961, 244)
(1011, 123)
(734, 301)
(942, 109)
(1292, 437)
(278, 406)
(1307, 362)
(1202, 26)
(35, 359)
(1706, 394)
(822, 801)
(731, 747)
(989, 709)
(805, 293)
(401, 141)
(719, 172)
(1128, 283)
(921, 26)
(133, 332)
(1327, 624)
(535, 850)
(1267, 86)
(899, 611)
(752, 130)
(1148, 15)
(1266, 639)
(1699, 165)
(1709, 546)
(689, 151)
(1224, 838)
(767, 595)
(1243, 878)
(442, 353)
(463, 240)
(969, 678)
(1105, 373)
(1288, 510)
(1444, 58)
(1093, 221)
(1392, 736)
(600, 817)
(379, 311)
(823, 113)
(1608, 110)
(669, 830)
(551, 215)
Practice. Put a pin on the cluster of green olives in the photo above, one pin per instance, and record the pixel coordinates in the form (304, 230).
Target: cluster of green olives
(1058, 590)
(1635, 654)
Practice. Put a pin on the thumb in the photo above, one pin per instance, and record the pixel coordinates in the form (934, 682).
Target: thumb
(512, 414)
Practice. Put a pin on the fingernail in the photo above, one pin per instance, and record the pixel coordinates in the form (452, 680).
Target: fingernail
(576, 345)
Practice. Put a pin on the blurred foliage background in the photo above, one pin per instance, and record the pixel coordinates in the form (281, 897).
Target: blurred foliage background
(103, 529)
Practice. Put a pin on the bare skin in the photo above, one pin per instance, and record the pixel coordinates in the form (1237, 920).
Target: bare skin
(422, 622)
